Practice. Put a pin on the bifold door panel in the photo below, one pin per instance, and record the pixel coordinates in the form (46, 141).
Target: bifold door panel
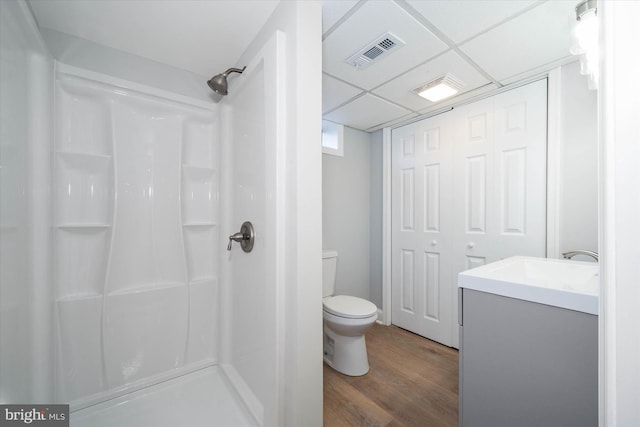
(468, 188)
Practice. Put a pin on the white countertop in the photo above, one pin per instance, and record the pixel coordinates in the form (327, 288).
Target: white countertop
(561, 283)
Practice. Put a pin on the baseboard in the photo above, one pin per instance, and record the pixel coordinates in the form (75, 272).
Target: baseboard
(381, 322)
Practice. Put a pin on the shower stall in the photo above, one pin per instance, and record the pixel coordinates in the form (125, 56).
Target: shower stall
(118, 295)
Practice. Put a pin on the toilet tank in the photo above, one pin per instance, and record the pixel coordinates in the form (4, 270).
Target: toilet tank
(329, 269)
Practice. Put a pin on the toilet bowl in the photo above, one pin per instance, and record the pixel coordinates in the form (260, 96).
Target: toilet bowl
(346, 318)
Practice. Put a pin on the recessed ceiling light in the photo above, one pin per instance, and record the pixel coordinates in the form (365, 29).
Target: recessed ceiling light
(439, 89)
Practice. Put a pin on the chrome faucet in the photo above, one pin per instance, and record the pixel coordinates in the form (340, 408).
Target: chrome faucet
(571, 254)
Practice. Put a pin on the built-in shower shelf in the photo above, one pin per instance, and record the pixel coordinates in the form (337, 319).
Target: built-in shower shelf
(199, 224)
(78, 297)
(203, 280)
(78, 225)
(203, 169)
(83, 154)
(146, 287)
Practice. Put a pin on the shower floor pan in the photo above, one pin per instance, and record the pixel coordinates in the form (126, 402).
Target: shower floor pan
(201, 398)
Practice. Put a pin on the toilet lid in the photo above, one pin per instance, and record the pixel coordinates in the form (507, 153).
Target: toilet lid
(348, 306)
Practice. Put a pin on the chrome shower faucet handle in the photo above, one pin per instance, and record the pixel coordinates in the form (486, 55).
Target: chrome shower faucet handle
(245, 237)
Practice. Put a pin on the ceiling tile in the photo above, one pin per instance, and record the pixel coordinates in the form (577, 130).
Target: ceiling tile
(537, 71)
(537, 37)
(333, 10)
(458, 99)
(461, 19)
(400, 90)
(369, 22)
(335, 92)
(393, 122)
(366, 112)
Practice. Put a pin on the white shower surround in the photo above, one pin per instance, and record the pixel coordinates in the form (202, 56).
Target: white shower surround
(137, 212)
(122, 224)
(136, 203)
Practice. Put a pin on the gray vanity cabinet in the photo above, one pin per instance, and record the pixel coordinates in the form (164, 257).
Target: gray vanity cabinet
(526, 364)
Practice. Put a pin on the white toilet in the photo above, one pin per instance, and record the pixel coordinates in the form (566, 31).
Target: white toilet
(346, 319)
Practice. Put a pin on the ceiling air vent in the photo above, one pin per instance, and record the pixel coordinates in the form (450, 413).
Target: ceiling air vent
(374, 51)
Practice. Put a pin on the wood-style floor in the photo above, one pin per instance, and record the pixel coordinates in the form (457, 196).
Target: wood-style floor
(412, 381)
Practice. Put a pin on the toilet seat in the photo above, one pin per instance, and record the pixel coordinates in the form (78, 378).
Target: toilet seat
(349, 307)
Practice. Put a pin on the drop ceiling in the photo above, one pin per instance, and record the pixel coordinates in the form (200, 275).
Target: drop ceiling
(486, 44)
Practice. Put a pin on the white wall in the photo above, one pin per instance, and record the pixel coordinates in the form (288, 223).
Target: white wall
(346, 204)
(578, 163)
(375, 218)
(116, 63)
(619, 143)
(301, 22)
(249, 288)
(26, 308)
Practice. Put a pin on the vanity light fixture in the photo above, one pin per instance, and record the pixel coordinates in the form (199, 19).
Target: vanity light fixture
(439, 89)
(584, 40)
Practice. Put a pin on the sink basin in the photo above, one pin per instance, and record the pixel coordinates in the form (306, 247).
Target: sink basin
(562, 283)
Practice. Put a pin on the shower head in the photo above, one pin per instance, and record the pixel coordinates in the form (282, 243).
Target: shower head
(218, 83)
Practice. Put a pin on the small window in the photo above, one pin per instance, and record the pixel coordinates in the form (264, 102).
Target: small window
(332, 138)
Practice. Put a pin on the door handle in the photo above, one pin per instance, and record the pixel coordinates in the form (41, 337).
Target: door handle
(245, 237)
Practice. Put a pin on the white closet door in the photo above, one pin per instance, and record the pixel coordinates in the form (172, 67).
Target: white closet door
(500, 191)
(468, 187)
(422, 260)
